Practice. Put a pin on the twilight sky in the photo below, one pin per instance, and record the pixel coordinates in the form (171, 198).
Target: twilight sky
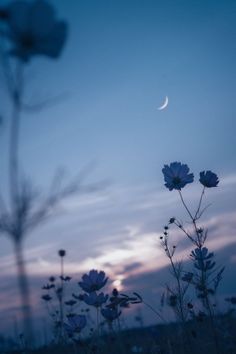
(121, 59)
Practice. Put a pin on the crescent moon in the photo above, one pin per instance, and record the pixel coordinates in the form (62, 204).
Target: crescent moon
(165, 104)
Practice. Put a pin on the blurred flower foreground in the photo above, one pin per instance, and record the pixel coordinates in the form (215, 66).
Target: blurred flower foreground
(27, 29)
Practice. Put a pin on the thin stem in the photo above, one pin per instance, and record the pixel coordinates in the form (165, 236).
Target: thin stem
(2, 205)
(199, 204)
(184, 204)
(14, 138)
(24, 291)
(61, 299)
(13, 162)
(185, 232)
(156, 312)
(7, 70)
(176, 275)
(97, 317)
(198, 242)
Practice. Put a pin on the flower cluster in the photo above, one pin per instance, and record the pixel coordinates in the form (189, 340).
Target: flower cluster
(110, 306)
(66, 321)
(91, 283)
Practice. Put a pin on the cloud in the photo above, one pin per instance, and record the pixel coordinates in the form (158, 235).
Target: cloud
(113, 226)
(118, 231)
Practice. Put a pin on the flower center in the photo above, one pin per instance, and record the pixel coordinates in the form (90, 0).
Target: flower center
(27, 40)
(176, 180)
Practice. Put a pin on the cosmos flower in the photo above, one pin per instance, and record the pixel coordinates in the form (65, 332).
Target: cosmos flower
(93, 281)
(176, 175)
(208, 179)
(110, 314)
(75, 324)
(33, 29)
(94, 299)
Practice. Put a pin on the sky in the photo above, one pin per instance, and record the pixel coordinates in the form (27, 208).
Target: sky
(120, 61)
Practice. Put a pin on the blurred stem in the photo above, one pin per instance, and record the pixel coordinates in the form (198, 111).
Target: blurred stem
(13, 160)
(14, 137)
(18, 232)
(61, 299)
(24, 292)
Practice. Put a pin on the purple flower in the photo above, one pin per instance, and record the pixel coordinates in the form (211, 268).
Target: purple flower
(110, 314)
(176, 175)
(75, 324)
(94, 299)
(33, 30)
(93, 281)
(208, 179)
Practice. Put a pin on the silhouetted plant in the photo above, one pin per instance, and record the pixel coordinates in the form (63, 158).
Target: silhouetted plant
(22, 38)
(206, 276)
(108, 308)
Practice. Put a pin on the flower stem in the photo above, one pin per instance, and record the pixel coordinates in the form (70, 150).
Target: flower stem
(199, 204)
(24, 292)
(185, 205)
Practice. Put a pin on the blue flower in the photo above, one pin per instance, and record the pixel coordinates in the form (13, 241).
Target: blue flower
(33, 30)
(93, 281)
(75, 324)
(176, 175)
(94, 299)
(110, 314)
(208, 179)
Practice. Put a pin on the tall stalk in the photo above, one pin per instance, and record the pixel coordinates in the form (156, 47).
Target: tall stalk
(24, 292)
(18, 231)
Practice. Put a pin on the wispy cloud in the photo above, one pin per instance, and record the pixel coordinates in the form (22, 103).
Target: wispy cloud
(112, 227)
(118, 231)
